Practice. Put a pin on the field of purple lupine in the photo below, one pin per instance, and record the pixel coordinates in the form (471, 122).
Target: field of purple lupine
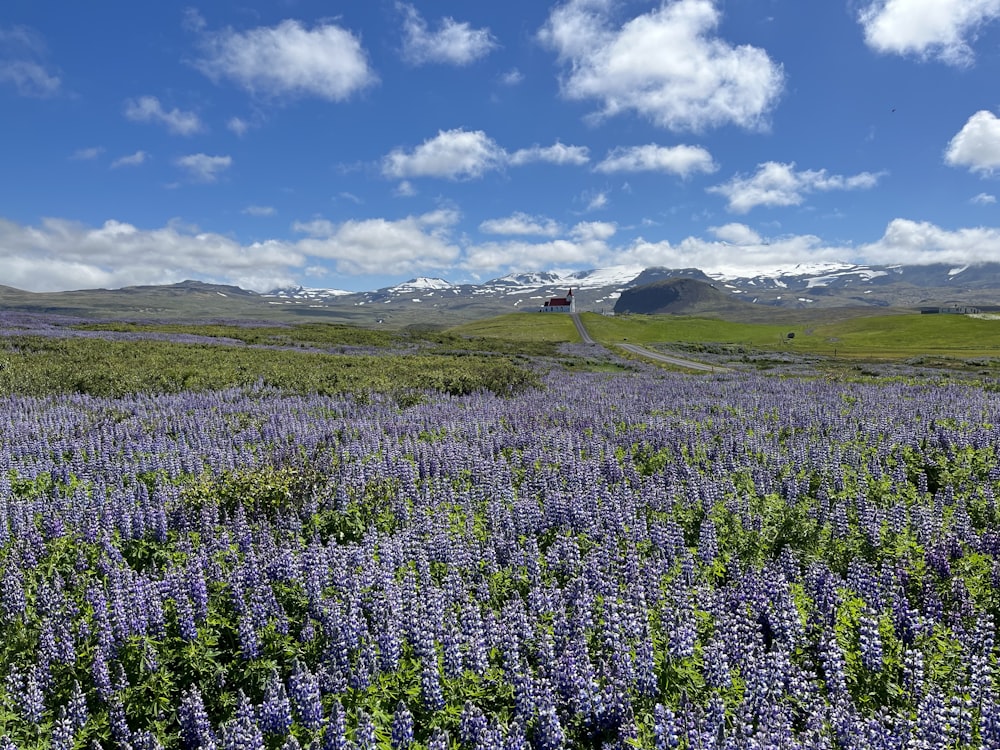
(633, 559)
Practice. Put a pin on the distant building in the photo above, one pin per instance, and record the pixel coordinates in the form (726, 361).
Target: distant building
(560, 304)
(951, 310)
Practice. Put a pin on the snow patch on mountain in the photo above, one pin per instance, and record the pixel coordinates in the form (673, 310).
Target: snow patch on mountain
(420, 284)
(305, 293)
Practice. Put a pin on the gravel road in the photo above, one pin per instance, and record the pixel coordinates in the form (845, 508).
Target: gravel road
(648, 353)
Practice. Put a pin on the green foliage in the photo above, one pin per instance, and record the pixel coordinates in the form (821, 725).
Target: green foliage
(41, 366)
(473, 338)
(267, 492)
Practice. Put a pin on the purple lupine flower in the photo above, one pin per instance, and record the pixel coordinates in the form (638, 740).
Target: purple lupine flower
(476, 655)
(12, 597)
(960, 721)
(101, 675)
(913, 672)
(870, 641)
(471, 725)
(438, 740)
(932, 716)
(430, 683)
(524, 696)
(516, 739)
(365, 667)
(119, 723)
(549, 734)
(989, 725)
(33, 700)
(716, 664)
(364, 732)
(834, 667)
(452, 647)
(47, 652)
(27, 693)
(185, 617)
(249, 644)
(241, 732)
(645, 662)
(402, 728)
(196, 730)
(708, 542)
(197, 588)
(77, 707)
(275, 711)
(63, 731)
(491, 739)
(303, 688)
(143, 739)
(335, 734)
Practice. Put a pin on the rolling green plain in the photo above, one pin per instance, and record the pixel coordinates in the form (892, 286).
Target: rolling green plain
(492, 353)
(874, 337)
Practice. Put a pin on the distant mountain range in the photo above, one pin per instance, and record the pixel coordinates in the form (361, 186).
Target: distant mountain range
(434, 301)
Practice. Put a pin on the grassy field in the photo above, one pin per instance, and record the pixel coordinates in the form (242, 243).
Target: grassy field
(875, 337)
(871, 337)
(523, 327)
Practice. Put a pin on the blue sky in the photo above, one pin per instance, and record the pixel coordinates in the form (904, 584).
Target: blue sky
(356, 145)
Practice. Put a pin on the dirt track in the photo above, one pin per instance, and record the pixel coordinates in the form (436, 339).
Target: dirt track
(669, 359)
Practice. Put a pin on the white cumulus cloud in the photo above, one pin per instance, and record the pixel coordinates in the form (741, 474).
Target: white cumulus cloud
(667, 65)
(587, 231)
(204, 168)
(921, 242)
(521, 224)
(984, 199)
(747, 257)
(149, 109)
(736, 234)
(453, 154)
(596, 201)
(512, 77)
(460, 154)
(681, 160)
(288, 60)
(557, 153)
(23, 63)
(372, 246)
(977, 144)
(238, 125)
(405, 189)
(87, 154)
(779, 184)
(29, 78)
(60, 254)
(131, 160)
(943, 29)
(530, 256)
(454, 42)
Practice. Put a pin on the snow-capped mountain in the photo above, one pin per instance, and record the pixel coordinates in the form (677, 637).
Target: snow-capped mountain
(811, 285)
(303, 293)
(436, 301)
(422, 284)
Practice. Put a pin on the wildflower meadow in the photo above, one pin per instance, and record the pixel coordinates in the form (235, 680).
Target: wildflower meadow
(631, 558)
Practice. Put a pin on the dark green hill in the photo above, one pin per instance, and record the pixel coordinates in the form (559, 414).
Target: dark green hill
(684, 296)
